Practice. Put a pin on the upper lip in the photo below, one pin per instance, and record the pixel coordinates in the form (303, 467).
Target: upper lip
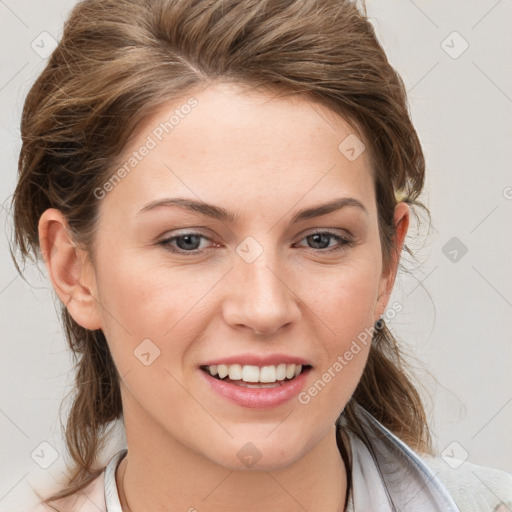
(256, 360)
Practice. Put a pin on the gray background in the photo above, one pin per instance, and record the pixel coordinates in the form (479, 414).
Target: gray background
(457, 307)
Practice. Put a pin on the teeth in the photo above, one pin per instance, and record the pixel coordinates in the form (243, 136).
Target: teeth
(281, 372)
(235, 371)
(250, 373)
(266, 374)
(223, 370)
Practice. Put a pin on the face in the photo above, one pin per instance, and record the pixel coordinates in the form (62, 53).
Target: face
(178, 288)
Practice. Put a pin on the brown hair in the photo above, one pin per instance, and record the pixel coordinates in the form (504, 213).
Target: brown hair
(117, 62)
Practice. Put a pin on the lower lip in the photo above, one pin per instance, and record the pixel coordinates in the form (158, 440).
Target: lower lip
(258, 398)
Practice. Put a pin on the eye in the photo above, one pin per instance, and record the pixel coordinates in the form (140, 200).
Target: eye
(187, 243)
(321, 238)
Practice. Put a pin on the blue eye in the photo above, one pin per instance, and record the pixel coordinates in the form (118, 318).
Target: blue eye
(320, 237)
(184, 243)
(188, 243)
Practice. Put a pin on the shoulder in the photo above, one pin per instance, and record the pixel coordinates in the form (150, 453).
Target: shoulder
(90, 499)
(474, 488)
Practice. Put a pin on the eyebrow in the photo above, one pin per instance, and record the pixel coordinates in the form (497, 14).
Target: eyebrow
(224, 215)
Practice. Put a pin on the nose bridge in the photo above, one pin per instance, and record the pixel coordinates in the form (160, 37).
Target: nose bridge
(259, 296)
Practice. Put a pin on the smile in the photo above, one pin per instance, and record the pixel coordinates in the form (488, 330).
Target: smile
(255, 374)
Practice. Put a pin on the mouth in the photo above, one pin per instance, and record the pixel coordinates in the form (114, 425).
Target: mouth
(250, 376)
(256, 387)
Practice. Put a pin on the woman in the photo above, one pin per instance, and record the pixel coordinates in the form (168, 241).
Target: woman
(220, 191)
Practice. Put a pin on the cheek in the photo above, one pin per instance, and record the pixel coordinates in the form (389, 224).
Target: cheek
(344, 350)
(346, 298)
(142, 301)
(344, 306)
(145, 296)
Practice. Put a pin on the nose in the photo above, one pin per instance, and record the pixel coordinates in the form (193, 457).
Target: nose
(259, 297)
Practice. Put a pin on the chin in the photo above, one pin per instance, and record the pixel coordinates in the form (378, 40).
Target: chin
(251, 458)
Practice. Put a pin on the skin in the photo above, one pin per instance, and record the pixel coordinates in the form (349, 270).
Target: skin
(264, 159)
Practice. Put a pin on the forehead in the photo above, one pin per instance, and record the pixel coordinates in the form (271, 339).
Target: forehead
(224, 141)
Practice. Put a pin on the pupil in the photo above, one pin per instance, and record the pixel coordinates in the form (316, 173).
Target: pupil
(319, 236)
(187, 237)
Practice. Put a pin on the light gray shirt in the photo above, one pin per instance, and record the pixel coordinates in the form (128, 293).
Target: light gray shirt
(388, 476)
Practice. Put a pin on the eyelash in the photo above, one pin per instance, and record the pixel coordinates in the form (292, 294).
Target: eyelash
(346, 242)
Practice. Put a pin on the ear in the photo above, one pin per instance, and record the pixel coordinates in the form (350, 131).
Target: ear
(68, 269)
(401, 222)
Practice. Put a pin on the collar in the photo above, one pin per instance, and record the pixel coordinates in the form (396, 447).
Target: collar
(386, 475)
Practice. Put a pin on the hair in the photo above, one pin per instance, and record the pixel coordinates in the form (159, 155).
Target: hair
(117, 62)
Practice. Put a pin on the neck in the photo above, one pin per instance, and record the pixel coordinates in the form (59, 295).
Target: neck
(162, 475)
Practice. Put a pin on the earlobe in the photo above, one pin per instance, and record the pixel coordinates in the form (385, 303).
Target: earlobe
(65, 263)
(401, 221)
